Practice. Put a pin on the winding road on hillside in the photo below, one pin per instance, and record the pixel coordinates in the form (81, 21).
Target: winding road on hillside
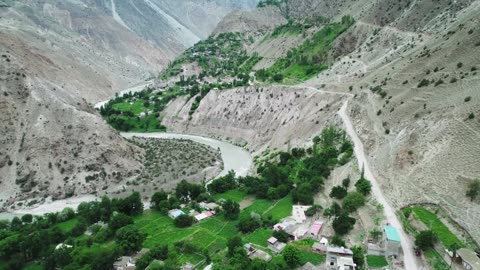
(410, 260)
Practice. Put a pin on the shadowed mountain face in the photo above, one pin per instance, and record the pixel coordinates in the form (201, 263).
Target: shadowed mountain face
(58, 57)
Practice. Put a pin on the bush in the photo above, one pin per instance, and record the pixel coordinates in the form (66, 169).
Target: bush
(423, 83)
(459, 65)
(363, 186)
(425, 240)
(471, 116)
(183, 221)
(353, 201)
(467, 99)
(338, 192)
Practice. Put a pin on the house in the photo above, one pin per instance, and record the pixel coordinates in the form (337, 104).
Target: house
(209, 206)
(321, 246)
(392, 241)
(469, 259)
(174, 213)
(275, 246)
(315, 229)
(204, 215)
(253, 253)
(298, 213)
(310, 266)
(61, 245)
(339, 258)
(128, 262)
(296, 232)
(260, 254)
(142, 115)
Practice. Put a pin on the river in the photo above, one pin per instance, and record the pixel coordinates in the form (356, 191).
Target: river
(234, 158)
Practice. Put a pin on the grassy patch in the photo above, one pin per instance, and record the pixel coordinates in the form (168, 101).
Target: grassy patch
(307, 242)
(436, 225)
(136, 107)
(314, 258)
(68, 225)
(282, 208)
(376, 261)
(435, 260)
(234, 195)
(258, 237)
(258, 206)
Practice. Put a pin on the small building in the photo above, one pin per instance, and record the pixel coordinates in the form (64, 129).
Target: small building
(468, 259)
(321, 246)
(296, 232)
(174, 213)
(315, 229)
(209, 206)
(204, 215)
(275, 246)
(62, 245)
(392, 241)
(260, 254)
(142, 115)
(339, 258)
(310, 266)
(298, 213)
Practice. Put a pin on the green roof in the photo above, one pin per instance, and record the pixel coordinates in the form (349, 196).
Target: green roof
(392, 233)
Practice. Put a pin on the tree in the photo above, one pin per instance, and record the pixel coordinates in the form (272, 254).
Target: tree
(118, 221)
(223, 184)
(158, 200)
(132, 205)
(291, 256)
(248, 224)
(232, 245)
(425, 240)
(183, 221)
(27, 218)
(358, 256)
(303, 194)
(337, 241)
(129, 238)
(281, 235)
(312, 210)
(338, 192)
(353, 201)
(231, 209)
(346, 182)
(375, 234)
(343, 223)
(473, 190)
(363, 186)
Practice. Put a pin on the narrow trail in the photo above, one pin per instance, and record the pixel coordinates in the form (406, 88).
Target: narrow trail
(410, 260)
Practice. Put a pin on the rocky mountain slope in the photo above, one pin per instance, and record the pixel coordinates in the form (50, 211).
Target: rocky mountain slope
(59, 57)
(412, 67)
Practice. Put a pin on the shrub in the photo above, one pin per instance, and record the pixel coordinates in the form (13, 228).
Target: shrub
(338, 192)
(471, 116)
(183, 221)
(459, 65)
(467, 99)
(453, 80)
(353, 201)
(423, 83)
(425, 240)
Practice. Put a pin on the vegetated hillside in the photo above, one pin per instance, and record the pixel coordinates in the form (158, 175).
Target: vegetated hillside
(413, 68)
(58, 57)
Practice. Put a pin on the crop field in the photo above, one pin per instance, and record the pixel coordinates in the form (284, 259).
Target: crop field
(67, 226)
(376, 261)
(282, 209)
(436, 260)
(436, 225)
(234, 195)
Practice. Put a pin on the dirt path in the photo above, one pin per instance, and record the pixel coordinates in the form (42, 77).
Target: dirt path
(410, 260)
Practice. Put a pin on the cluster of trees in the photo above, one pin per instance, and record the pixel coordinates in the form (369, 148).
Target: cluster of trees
(473, 190)
(34, 238)
(309, 58)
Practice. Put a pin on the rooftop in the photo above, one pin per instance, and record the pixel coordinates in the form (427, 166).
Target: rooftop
(316, 227)
(391, 233)
(339, 250)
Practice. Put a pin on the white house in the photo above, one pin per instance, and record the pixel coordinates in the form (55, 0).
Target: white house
(469, 259)
(174, 213)
(339, 258)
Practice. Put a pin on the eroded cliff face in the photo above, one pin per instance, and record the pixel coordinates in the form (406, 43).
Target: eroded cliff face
(258, 117)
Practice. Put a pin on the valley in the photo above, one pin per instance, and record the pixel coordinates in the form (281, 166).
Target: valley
(298, 134)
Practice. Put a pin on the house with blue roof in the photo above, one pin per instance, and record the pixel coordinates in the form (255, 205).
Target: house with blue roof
(392, 241)
(174, 213)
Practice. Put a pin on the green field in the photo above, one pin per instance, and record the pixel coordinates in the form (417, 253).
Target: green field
(435, 260)
(437, 226)
(33, 266)
(259, 206)
(234, 195)
(314, 258)
(376, 261)
(136, 108)
(281, 209)
(68, 225)
(258, 237)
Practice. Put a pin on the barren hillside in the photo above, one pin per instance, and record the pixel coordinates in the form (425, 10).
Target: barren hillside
(413, 68)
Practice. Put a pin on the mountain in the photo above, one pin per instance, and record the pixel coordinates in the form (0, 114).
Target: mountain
(59, 57)
(412, 68)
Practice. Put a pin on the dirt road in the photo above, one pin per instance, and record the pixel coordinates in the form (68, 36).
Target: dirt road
(410, 260)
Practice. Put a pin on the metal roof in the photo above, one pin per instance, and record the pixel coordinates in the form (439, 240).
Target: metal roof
(391, 233)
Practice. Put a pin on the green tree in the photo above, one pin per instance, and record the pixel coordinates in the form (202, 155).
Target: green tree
(158, 198)
(353, 201)
(291, 255)
(231, 209)
(232, 245)
(281, 235)
(363, 186)
(337, 241)
(27, 218)
(473, 189)
(338, 192)
(425, 240)
(129, 238)
(343, 223)
(183, 221)
(118, 221)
